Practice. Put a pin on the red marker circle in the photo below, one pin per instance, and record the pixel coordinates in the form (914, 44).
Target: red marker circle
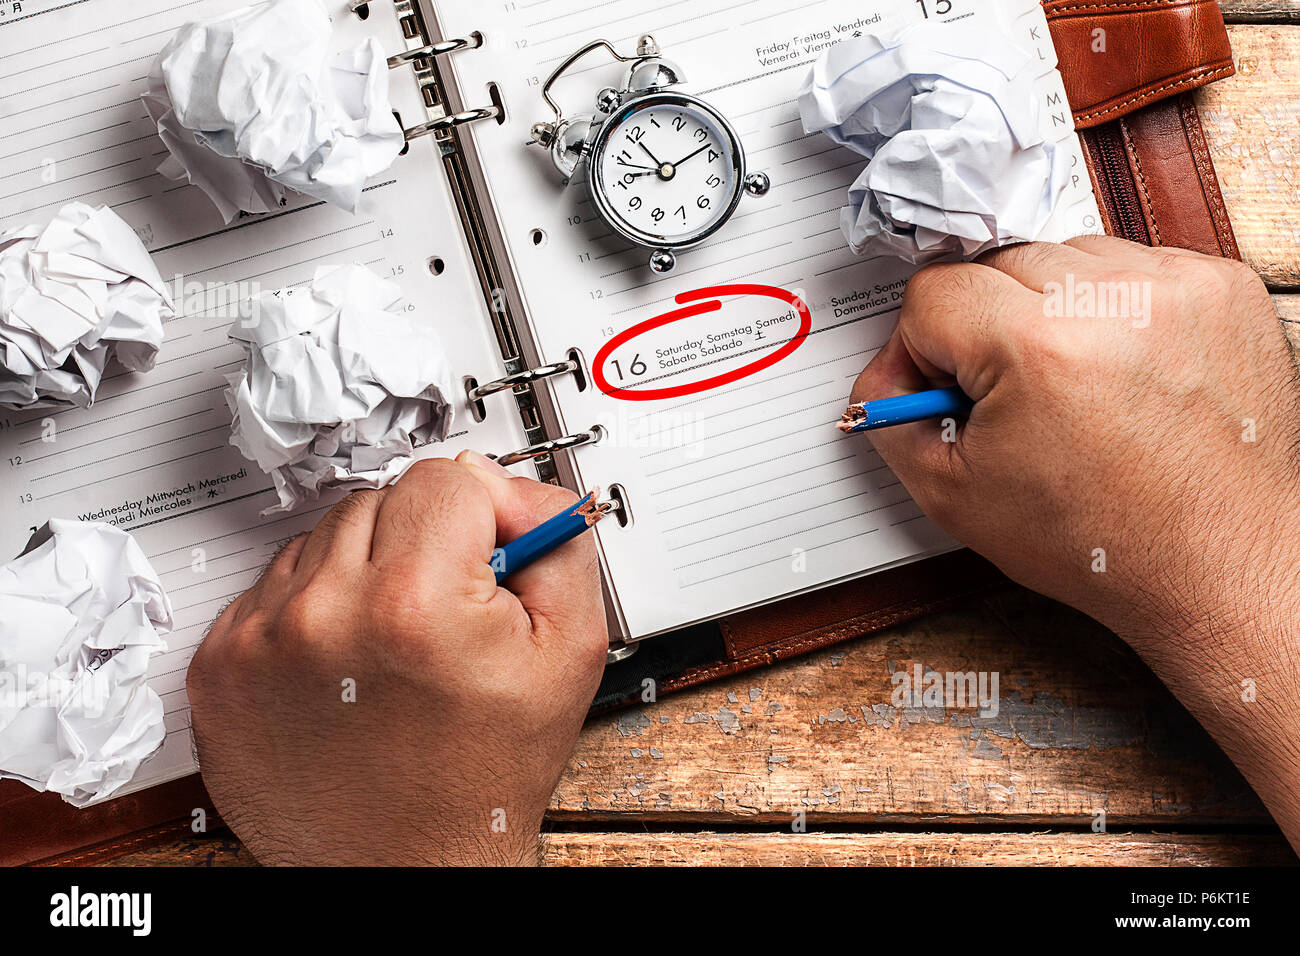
(711, 293)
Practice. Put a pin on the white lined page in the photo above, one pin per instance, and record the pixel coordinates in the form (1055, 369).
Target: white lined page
(747, 493)
(70, 80)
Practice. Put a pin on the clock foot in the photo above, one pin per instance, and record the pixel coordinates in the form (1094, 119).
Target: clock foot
(757, 184)
(662, 260)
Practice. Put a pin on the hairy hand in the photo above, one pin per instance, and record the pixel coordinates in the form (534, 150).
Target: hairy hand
(377, 698)
(1134, 451)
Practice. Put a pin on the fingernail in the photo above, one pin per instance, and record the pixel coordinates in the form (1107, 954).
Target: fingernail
(469, 457)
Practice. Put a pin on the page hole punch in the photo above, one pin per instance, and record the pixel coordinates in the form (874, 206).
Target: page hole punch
(580, 376)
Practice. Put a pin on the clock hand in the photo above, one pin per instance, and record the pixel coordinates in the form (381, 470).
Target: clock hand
(689, 155)
(652, 156)
(623, 162)
(666, 171)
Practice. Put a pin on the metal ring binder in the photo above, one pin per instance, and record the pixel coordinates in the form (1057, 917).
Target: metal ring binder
(436, 49)
(528, 375)
(620, 652)
(550, 446)
(607, 507)
(445, 124)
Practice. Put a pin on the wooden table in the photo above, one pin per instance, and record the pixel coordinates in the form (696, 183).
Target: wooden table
(716, 775)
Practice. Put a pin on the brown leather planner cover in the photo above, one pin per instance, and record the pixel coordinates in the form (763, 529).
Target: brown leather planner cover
(1128, 68)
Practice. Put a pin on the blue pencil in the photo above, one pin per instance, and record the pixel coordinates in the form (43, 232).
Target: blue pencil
(548, 536)
(901, 409)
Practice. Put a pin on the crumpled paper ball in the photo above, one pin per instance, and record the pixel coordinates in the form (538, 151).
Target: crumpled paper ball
(338, 386)
(73, 294)
(949, 123)
(81, 613)
(253, 102)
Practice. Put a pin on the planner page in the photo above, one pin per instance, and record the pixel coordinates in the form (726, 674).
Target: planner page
(152, 455)
(742, 492)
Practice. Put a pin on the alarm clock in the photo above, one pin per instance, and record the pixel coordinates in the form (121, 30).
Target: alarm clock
(664, 168)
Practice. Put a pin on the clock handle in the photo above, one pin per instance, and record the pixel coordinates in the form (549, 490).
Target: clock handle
(573, 58)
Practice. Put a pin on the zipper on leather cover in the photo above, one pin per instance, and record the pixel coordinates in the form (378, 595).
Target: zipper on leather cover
(1115, 179)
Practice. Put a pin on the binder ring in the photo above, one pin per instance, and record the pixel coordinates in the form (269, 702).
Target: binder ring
(435, 49)
(479, 392)
(607, 507)
(620, 652)
(444, 124)
(550, 446)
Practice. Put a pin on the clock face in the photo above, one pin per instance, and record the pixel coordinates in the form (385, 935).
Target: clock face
(666, 170)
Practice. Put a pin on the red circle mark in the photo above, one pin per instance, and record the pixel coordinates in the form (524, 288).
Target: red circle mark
(676, 315)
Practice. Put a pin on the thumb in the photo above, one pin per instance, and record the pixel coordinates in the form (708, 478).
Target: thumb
(561, 591)
(892, 371)
(915, 450)
(953, 327)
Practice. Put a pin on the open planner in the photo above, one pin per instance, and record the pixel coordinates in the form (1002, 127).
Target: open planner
(733, 496)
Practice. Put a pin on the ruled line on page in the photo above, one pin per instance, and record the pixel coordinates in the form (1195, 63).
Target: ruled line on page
(838, 521)
(856, 536)
(768, 520)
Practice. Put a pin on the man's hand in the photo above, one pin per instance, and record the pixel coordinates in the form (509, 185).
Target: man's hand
(376, 698)
(1140, 464)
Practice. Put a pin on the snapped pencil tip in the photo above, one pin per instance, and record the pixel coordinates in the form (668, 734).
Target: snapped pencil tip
(854, 416)
(547, 536)
(905, 409)
(592, 508)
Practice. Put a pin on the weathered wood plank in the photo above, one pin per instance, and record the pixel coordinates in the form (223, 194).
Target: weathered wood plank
(1252, 125)
(218, 848)
(913, 849)
(836, 849)
(1260, 11)
(1082, 727)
